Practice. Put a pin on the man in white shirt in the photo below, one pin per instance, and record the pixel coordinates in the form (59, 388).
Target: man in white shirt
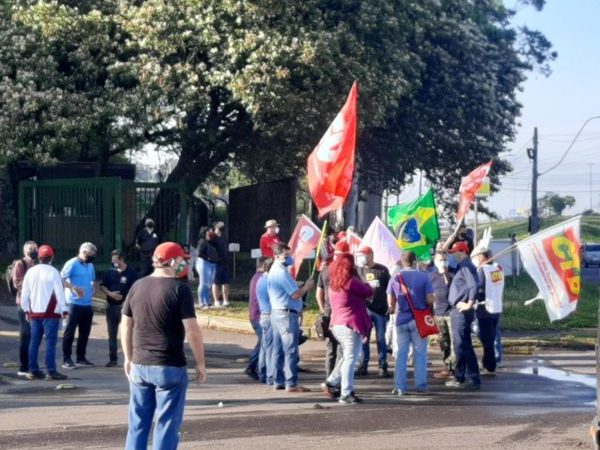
(43, 301)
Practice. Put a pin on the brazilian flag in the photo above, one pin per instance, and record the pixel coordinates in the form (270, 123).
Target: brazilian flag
(416, 225)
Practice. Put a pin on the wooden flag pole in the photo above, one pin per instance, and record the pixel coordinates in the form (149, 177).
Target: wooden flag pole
(323, 231)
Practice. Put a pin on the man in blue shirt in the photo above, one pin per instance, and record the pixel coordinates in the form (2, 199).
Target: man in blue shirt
(115, 285)
(462, 297)
(78, 276)
(286, 303)
(420, 290)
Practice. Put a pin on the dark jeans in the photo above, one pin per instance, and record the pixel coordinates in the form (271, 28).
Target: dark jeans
(79, 317)
(466, 360)
(487, 335)
(145, 265)
(380, 324)
(333, 351)
(24, 340)
(113, 319)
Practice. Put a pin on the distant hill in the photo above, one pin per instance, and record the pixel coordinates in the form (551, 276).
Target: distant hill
(590, 228)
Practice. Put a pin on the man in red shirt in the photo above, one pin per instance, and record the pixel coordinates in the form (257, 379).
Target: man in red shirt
(269, 239)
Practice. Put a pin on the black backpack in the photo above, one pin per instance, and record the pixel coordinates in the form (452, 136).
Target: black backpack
(8, 275)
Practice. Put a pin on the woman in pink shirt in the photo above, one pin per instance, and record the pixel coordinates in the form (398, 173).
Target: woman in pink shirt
(350, 324)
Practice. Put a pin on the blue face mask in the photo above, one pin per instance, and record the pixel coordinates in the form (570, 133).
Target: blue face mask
(452, 261)
(289, 261)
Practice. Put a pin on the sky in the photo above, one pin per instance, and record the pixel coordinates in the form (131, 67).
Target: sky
(559, 105)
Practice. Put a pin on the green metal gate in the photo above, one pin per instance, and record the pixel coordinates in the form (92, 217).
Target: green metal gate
(105, 211)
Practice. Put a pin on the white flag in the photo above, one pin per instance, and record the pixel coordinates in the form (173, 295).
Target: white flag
(383, 243)
(551, 257)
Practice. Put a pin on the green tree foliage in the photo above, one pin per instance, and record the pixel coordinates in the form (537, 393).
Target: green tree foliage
(252, 85)
(555, 204)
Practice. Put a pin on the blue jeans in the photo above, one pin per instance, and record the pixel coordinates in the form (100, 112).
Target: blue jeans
(160, 390)
(343, 373)
(206, 276)
(499, 351)
(286, 330)
(407, 334)
(254, 355)
(265, 357)
(380, 323)
(466, 360)
(40, 328)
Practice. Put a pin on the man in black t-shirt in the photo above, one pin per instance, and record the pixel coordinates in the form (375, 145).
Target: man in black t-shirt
(158, 315)
(378, 277)
(115, 285)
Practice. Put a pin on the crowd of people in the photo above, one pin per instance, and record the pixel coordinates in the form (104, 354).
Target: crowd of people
(154, 310)
(461, 286)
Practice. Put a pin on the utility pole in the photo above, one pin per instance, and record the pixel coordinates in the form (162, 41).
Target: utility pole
(420, 181)
(533, 155)
(591, 206)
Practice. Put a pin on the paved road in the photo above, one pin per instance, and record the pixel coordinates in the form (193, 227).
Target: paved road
(541, 401)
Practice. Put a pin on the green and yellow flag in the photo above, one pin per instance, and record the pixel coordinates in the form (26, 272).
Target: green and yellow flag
(416, 225)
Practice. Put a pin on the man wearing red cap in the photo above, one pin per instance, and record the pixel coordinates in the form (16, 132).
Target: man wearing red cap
(462, 297)
(270, 238)
(378, 277)
(158, 315)
(43, 301)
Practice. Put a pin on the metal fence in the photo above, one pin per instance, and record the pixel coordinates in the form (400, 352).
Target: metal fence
(106, 211)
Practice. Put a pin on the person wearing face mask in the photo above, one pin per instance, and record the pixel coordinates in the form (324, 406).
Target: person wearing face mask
(43, 300)
(460, 235)
(270, 238)
(286, 304)
(222, 277)
(489, 305)
(146, 242)
(18, 272)
(441, 279)
(377, 276)
(463, 297)
(158, 315)
(78, 276)
(115, 285)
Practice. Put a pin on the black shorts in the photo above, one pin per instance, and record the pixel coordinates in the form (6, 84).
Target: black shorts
(222, 275)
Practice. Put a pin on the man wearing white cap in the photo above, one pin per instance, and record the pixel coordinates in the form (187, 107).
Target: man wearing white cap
(270, 238)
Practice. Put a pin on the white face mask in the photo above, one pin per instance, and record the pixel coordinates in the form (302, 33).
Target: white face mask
(361, 260)
(276, 230)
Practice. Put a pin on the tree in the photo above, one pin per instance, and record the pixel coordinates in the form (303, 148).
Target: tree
(554, 203)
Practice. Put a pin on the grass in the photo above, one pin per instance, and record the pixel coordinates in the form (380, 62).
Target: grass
(590, 227)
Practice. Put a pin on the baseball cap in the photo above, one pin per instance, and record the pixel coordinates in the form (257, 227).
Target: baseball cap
(479, 251)
(167, 251)
(460, 246)
(271, 223)
(365, 249)
(341, 235)
(342, 247)
(44, 251)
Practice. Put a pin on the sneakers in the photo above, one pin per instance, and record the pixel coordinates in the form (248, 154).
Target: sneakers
(111, 364)
(488, 373)
(22, 373)
(362, 371)
(350, 400)
(68, 364)
(84, 363)
(383, 373)
(399, 392)
(331, 391)
(455, 384)
(278, 387)
(226, 304)
(35, 375)
(55, 376)
(251, 373)
(297, 389)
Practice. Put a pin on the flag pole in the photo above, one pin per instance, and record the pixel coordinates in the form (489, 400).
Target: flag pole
(323, 231)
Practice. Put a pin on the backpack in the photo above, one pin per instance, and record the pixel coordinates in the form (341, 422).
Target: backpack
(8, 276)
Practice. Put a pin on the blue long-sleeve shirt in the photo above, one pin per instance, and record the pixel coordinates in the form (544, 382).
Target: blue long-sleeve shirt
(465, 283)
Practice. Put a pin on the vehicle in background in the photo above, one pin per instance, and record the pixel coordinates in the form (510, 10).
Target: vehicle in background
(591, 255)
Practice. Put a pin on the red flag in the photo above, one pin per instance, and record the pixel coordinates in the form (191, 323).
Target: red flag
(468, 188)
(304, 240)
(331, 164)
